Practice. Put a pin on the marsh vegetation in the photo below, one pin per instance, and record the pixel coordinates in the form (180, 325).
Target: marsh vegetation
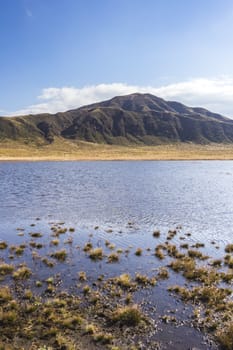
(90, 308)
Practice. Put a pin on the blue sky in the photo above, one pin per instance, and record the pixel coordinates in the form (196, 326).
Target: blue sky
(60, 54)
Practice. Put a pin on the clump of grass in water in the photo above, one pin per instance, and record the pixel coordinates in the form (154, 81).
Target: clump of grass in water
(48, 262)
(5, 294)
(119, 250)
(3, 245)
(86, 289)
(28, 294)
(227, 277)
(50, 289)
(124, 280)
(184, 246)
(173, 251)
(18, 250)
(96, 254)
(61, 231)
(144, 280)
(111, 246)
(103, 338)
(182, 264)
(72, 321)
(69, 240)
(38, 284)
(129, 316)
(171, 234)
(90, 329)
(22, 273)
(198, 245)
(8, 318)
(159, 253)
(138, 252)
(59, 255)
(94, 297)
(209, 295)
(35, 234)
(229, 248)
(36, 245)
(128, 299)
(88, 246)
(156, 233)
(197, 254)
(82, 276)
(225, 336)
(163, 273)
(228, 259)
(6, 269)
(113, 257)
(54, 242)
(216, 263)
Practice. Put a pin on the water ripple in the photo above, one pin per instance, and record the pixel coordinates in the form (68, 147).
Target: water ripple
(197, 195)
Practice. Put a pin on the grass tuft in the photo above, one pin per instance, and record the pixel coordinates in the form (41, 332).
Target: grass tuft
(3, 245)
(127, 316)
(96, 254)
(6, 269)
(59, 255)
(22, 273)
(225, 336)
(113, 257)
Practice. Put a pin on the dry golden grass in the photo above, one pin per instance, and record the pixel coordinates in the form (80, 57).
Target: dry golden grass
(67, 150)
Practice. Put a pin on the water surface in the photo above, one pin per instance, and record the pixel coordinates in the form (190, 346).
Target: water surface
(195, 194)
(127, 201)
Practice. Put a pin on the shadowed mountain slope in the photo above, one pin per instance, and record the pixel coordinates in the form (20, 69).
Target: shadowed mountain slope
(135, 118)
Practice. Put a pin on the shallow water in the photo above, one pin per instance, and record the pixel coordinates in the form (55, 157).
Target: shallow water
(195, 194)
(128, 201)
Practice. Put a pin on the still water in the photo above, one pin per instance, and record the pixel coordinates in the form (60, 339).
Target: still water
(197, 195)
(122, 202)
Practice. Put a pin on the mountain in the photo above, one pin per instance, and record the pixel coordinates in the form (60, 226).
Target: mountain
(131, 119)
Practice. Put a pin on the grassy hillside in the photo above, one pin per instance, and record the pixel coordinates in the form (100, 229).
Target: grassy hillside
(137, 119)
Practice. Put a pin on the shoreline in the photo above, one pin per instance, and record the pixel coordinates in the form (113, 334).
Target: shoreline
(33, 160)
(70, 151)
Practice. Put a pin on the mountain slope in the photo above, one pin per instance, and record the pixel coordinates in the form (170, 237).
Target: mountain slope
(135, 118)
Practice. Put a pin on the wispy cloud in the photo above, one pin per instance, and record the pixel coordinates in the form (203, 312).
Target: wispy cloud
(213, 94)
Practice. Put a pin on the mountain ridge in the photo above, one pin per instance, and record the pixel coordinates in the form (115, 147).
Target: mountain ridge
(142, 119)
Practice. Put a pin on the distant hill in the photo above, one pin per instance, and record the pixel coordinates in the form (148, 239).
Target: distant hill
(132, 119)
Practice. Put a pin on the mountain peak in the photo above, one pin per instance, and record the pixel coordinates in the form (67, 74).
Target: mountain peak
(135, 102)
(136, 118)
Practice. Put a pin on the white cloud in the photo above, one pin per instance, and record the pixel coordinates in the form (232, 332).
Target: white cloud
(213, 94)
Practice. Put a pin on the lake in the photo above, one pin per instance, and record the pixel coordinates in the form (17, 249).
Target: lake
(197, 195)
(124, 203)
